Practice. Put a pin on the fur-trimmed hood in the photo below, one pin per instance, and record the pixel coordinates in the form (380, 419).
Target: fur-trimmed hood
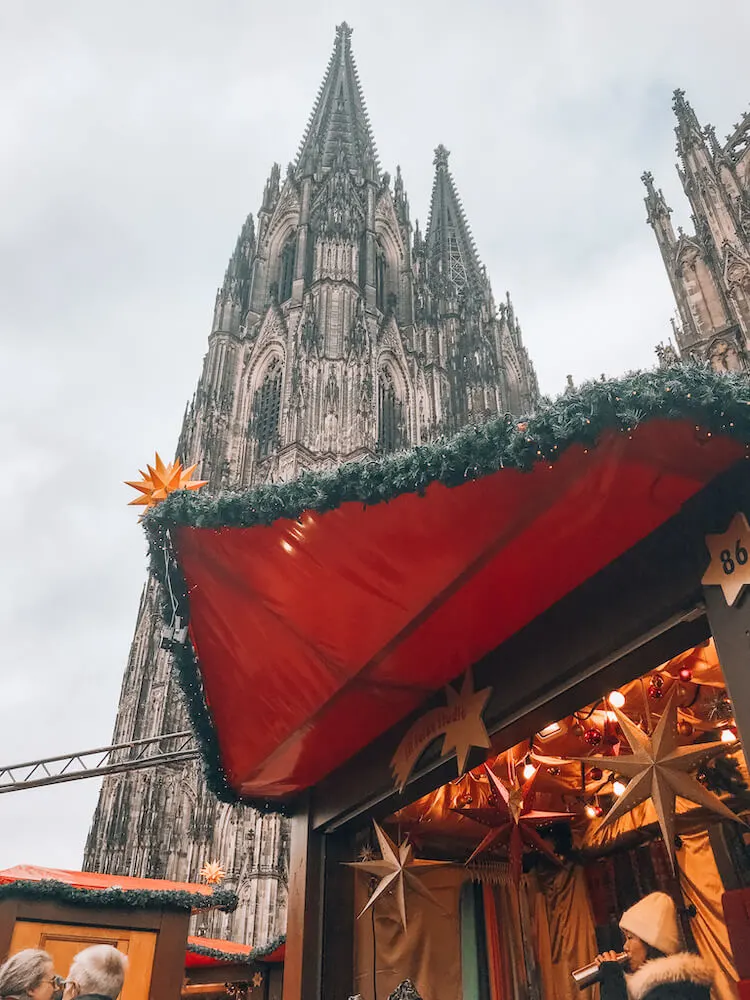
(684, 967)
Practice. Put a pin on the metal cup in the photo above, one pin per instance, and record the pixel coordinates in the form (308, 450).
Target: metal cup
(592, 973)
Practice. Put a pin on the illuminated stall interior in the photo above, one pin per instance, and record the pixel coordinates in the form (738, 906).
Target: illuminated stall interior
(491, 932)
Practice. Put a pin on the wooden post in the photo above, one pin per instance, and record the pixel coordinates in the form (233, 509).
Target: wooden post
(730, 627)
(337, 971)
(304, 933)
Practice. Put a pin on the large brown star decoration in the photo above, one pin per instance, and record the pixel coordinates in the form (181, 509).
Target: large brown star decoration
(513, 820)
(397, 868)
(658, 769)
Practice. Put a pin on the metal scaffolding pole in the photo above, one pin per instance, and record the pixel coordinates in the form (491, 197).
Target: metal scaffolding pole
(166, 748)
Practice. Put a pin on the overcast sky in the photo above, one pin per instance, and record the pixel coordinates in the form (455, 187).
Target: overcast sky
(136, 137)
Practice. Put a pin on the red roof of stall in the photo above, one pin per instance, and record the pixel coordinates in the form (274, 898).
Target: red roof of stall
(317, 632)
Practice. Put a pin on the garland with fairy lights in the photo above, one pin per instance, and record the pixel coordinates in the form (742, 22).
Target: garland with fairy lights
(51, 890)
(717, 404)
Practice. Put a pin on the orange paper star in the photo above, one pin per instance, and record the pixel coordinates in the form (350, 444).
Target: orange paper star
(257, 980)
(162, 480)
(396, 868)
(212, 873)
(730, 559)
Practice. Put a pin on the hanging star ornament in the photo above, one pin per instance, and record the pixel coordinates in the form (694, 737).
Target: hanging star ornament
(397, 868)
(513, 820)
(658, 769)
(161, 480)
(460, 724)
(212, 873)
(730, 559)
(257, 980)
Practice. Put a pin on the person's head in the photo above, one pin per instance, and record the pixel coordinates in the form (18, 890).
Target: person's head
(99, 969)
(650, 929)
(29, 973)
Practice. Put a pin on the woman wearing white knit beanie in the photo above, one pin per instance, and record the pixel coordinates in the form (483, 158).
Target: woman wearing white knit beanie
(657, 969)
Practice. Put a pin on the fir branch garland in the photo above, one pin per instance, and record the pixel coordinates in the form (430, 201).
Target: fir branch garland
(116, 898)
(719, 404)
(238, 957)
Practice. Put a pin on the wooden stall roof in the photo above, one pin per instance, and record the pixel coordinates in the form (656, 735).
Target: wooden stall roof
(95, 888)
(325, 610)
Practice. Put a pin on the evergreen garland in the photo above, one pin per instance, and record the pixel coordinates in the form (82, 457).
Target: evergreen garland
(125, 899)
(717, 404)
(238, 958)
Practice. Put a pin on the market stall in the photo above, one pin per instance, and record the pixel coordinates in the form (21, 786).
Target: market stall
(389, 644)
(63, 912)
(217, 969)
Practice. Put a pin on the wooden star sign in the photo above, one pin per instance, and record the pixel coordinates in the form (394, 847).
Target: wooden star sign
(161, 480)
(730, 565)
(658, 769)
(513, 819)
(397, 868)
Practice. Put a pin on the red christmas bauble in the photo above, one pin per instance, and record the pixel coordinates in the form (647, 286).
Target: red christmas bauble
(593, 737)
(596, 774)
(655, 692)
(686, 674)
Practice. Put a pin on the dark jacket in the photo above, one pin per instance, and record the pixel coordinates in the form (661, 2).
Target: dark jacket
(674, 977)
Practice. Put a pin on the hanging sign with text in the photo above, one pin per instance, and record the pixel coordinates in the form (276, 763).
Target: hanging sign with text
(460, 724)
(730, 559)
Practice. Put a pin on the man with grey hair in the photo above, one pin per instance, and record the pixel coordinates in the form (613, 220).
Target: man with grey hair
(97, 973)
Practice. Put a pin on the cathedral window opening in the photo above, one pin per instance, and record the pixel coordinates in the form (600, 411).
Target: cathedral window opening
(267, 409)
(380, 278)
(286, 278)
(391, 436)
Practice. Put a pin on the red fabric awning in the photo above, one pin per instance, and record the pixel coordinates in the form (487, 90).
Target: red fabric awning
(315, 636)
(230, 950)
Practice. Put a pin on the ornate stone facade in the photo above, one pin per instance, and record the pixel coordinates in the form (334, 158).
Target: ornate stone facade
(709, 269)
(340, 332)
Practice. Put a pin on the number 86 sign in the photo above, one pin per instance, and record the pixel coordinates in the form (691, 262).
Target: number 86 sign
(730, 563)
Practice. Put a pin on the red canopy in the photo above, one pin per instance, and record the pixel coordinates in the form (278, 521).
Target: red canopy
(226, 952)
(316, 635)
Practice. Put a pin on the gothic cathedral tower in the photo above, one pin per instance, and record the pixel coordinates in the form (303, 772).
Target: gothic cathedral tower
(339, 333)
(709, 269)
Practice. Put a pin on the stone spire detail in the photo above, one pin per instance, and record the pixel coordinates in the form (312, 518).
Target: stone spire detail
(331, 342)
(450, 251)
(708, 268)
(339, 124)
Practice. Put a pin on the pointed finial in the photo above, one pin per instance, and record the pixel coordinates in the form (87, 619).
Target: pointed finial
(648, 179)
(343, 33)
(441, 156)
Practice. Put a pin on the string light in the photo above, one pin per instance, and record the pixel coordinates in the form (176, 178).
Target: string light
(591, 811)
(618, 787)
(528, 769)
(616, 699)
(727, 736)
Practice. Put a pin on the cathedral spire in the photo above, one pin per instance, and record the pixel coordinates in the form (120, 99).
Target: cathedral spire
(451, 252)
(688, 130)
(339, 125)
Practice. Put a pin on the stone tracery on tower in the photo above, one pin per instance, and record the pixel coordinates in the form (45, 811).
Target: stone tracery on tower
(708, 269)
(339, 333)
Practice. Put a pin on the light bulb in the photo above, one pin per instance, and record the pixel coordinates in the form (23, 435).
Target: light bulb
(591, 811)
(727, 736)
(528, 770)
(616, 699)
(618, 787)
